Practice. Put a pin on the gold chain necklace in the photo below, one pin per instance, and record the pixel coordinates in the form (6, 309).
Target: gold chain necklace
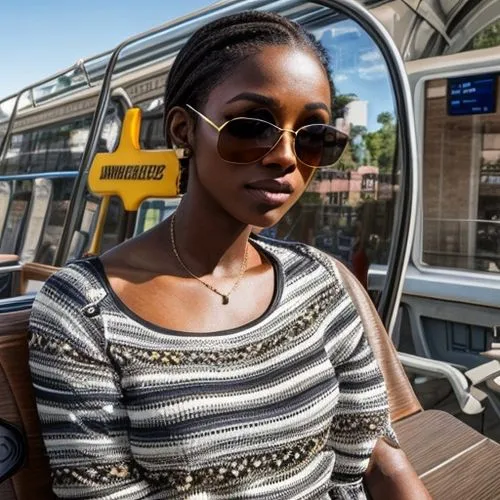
(225, 296)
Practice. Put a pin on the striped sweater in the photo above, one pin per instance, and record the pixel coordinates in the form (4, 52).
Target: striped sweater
(287, 407)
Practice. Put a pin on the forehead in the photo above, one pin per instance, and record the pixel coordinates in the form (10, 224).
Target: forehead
(289, 75)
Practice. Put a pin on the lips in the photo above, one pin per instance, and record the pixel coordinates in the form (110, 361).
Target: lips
(271, 185)
(273, 192)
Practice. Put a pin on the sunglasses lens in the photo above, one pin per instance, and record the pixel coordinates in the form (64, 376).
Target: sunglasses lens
(320, 145)
(245, 140)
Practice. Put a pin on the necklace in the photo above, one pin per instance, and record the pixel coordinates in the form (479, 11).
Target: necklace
(225, 296)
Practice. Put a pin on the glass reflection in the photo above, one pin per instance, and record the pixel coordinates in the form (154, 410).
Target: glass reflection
(347, 211)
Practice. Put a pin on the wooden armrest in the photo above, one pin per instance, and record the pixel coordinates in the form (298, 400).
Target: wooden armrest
(35, 272)
(7, 259)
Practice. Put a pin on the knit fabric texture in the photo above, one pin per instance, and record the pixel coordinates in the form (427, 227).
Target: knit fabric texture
(286, 407)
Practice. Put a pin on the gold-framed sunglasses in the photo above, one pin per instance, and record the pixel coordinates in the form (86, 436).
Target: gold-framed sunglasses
(245, 140)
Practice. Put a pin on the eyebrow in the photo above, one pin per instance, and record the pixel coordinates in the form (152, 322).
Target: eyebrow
(269, 101)
(312, 106)
(251, 96)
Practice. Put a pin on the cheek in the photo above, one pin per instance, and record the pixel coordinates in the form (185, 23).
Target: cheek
(214, 174)
(306, 174)
(206, 161)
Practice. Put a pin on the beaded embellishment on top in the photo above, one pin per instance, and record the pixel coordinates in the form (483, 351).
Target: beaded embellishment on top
(126, 355)
(367, 422)
(243, 468)
(98, 475)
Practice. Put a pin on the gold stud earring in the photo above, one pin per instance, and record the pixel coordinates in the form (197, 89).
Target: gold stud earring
(184, 152)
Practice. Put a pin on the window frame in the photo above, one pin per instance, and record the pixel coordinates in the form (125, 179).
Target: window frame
(419, 99)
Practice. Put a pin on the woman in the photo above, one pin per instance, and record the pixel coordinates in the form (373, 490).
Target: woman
(251, 376)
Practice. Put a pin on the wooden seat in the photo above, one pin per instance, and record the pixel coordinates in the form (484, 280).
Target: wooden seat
(439, 446)
(402, 400)
(17, 407)
(17, 401)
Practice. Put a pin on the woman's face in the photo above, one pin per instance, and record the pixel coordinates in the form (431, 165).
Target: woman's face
(287, 87)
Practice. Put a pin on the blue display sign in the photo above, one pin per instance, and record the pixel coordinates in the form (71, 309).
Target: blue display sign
(472, 95)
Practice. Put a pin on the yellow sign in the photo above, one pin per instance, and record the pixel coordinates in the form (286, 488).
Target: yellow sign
(134, 174)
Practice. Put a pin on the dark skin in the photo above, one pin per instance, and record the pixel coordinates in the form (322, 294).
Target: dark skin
(144, 271)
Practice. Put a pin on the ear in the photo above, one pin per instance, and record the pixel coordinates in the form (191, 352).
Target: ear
(178, 126)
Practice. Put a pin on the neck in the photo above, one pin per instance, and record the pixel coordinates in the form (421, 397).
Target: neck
(208, 239)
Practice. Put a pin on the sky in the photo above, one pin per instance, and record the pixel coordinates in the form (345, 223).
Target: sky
(40, 37)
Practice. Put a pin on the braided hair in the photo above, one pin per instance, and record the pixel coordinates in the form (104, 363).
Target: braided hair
(214, 50)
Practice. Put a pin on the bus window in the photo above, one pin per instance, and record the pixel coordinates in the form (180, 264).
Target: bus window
(152, 136)
(461, 166)
(5, 193)
(153, 211)
(82, 238)
(486, 38)
(347, 211)
(55, 148)
(114, 225)
(16, 217)
(59, 146)
(37, 217)
(55, 216)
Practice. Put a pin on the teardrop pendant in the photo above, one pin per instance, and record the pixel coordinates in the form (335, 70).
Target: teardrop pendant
(225, 299)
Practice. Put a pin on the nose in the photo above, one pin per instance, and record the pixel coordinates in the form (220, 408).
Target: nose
(282, 154)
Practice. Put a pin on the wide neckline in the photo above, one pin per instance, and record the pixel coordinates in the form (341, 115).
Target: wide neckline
(279, 282)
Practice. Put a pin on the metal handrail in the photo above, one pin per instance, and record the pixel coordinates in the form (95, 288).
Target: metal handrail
(64, 174)
(3, 142)
(468, 403)
(406, 203)
(481, 221)
(30, 89)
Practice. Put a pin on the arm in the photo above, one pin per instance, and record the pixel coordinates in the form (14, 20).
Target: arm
(390, 475)
(84, 423)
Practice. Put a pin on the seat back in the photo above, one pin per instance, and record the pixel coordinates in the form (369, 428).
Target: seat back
(402, 399)
(33, 271)
(18, 408)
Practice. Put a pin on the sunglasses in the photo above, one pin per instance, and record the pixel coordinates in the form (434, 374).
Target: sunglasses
(247, 140)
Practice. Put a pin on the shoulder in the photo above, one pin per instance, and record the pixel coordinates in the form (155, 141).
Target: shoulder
(72, 283)
(61, 312)
(65, 296)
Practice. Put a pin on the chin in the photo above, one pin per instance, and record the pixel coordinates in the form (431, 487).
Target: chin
(263, 220)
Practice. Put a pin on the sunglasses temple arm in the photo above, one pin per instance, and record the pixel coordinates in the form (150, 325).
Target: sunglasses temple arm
(210, 122)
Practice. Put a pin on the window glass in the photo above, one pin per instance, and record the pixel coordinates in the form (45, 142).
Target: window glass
(37, 217)
(3, 129)
(152, 136)
(114, 225)
(347, 211)
(59, 146)
(3, 126)
(486, 38)
(153, 211)
(61, 192)
(82, 237)
(461, 168)
(5, 192)
(16, 217)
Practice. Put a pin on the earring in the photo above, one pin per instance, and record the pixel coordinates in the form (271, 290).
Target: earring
(184, 152)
